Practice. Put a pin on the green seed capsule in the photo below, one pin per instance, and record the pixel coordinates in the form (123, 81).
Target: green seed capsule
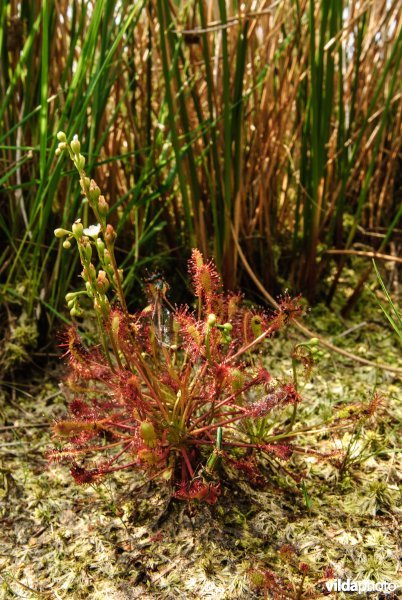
(103, 206)
(92, 271)
(94, 191)
(110, 234)
(115, 325)
(85, 182)
(100, 246)
(88, 251)
(148, 434)
(102, 283)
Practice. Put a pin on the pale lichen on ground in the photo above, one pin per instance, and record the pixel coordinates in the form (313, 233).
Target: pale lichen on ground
(111, 542)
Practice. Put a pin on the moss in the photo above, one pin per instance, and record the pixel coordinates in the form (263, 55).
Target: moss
(18, 341)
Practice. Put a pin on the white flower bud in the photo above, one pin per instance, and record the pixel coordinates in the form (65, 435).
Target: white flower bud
(75, 145)
(78, 228)
(81, 161)
(211, 320)
(59, 233)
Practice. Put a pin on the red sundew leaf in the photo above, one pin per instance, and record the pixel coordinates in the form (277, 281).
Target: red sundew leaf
(290, 307)
(84, 364)
(263, 376)
(304, 568)
(205, 278)
(323, 455)
(80, 409)
(126, 391)
(329, 573)
(118, 324)
(292, 396)
(265, 579)
(221, 372)
(287, 551)
(67, 428)
(151, 459)
(254, 323)
(62, 455)
(233, 308)
(84, 437)
(133, 333)
(157, 537)
(84, 476)
(250, 469)
(192, 332)
(198, 490)
(170, 382)
(280, 397)
(376, 403)
(283, 451)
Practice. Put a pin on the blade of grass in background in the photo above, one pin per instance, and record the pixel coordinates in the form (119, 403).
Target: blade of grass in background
(391, 311)
(280, 123)
(88, 75)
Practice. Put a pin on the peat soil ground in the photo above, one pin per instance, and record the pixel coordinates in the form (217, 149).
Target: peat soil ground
(119, 541)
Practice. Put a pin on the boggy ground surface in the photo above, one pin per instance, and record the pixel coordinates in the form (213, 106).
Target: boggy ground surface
(114, 542)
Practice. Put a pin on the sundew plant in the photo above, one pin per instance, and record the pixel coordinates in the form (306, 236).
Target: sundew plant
(170, 390)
